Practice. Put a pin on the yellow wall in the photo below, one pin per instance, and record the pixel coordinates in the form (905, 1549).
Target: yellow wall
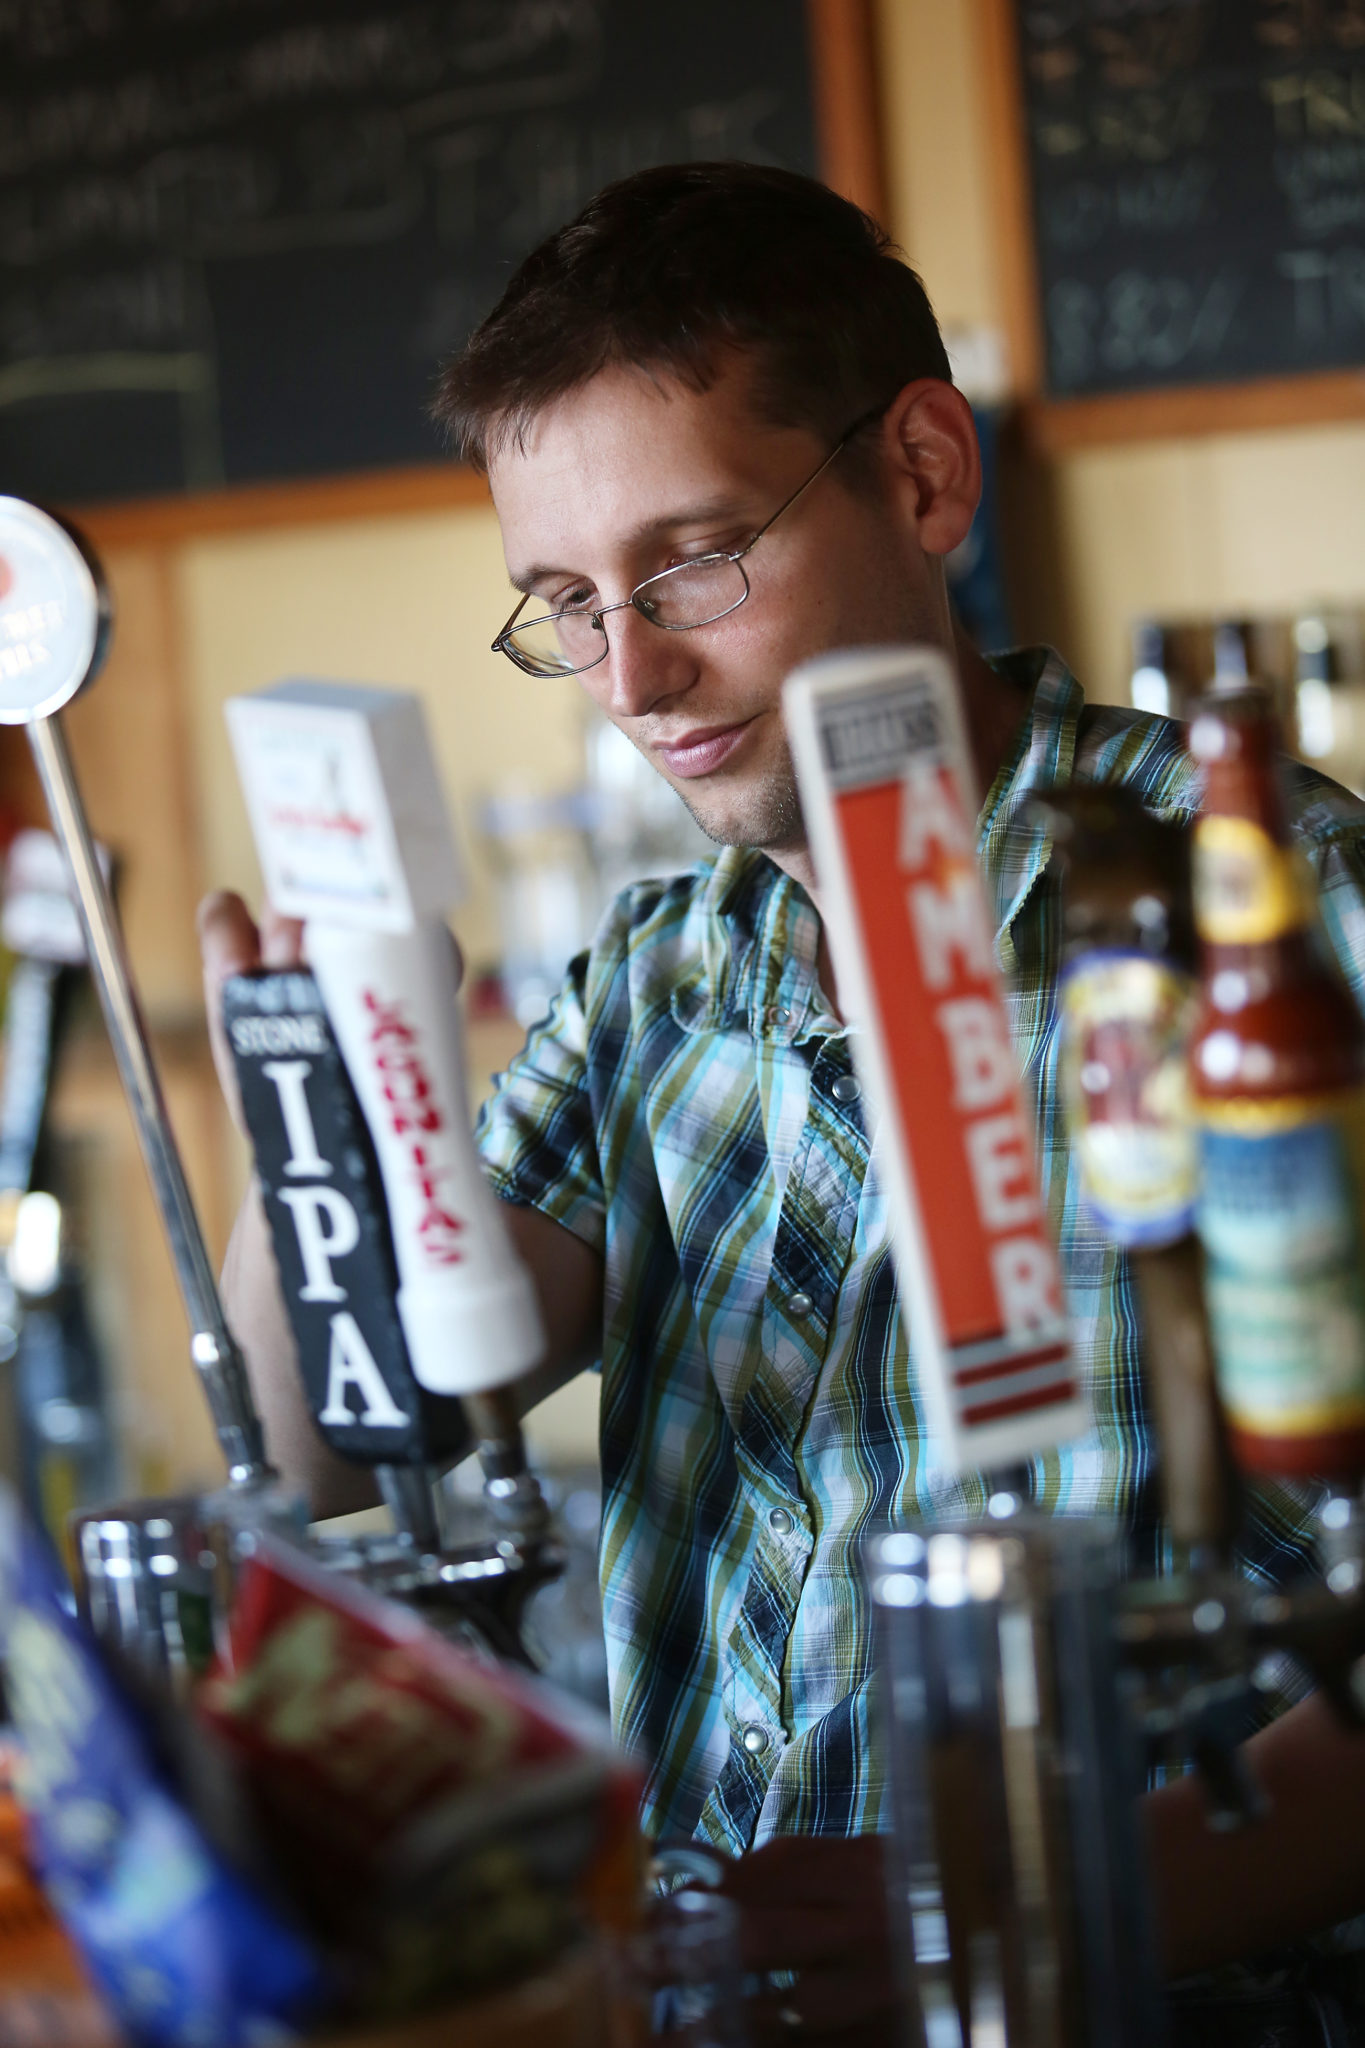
(1239, 523)
(933, 123)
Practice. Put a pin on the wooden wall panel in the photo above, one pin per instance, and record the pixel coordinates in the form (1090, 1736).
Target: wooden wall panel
(844, 70)
(128, 741)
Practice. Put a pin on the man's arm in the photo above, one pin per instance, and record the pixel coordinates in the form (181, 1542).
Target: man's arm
(566, 1273)
(1221, 1897)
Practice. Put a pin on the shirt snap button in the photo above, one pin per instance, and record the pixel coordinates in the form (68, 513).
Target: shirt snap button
(799, 1304)
(755, 1739)
(782, 1016)
(780, 1522)
(845, 1088)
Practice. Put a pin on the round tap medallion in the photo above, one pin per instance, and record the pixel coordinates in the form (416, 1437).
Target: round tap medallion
(54, 614)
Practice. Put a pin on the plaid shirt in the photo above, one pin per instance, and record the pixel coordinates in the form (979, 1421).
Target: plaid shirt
(688, 1109)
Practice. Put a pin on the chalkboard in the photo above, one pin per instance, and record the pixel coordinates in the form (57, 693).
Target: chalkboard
(238, 236)
(1198, 188)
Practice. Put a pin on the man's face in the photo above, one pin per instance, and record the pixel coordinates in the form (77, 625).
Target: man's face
(625, 477)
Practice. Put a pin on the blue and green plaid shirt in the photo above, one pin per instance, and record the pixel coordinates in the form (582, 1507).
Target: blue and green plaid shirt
(689, 1109)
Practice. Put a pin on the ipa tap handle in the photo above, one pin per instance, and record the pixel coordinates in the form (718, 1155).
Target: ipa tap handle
(324, 1202)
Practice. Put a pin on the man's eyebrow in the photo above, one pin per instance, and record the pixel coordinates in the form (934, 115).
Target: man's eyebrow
(707, 512)
(526, 579)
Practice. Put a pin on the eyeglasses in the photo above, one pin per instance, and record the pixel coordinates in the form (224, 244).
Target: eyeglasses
(693, 593)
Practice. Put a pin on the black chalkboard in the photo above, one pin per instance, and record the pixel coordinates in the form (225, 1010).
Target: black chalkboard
(1198, 176)
(237, 236)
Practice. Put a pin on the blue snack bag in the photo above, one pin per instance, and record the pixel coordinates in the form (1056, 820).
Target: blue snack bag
(185, 1953)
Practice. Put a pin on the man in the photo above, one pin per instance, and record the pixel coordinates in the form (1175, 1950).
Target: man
(721, 436)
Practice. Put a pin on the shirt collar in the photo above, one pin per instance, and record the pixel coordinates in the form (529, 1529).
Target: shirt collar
(758, 966)
(1013, 845)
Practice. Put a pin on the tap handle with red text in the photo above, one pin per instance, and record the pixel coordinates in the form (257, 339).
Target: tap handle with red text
(354, 839)
(886, 789)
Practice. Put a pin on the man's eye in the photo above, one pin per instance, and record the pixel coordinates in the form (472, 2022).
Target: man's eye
(575, 600)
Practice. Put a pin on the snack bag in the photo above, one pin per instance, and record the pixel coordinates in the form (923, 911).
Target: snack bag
(184, 1952)
(445, 1821)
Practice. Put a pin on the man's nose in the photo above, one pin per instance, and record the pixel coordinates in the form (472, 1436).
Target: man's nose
(644, 665)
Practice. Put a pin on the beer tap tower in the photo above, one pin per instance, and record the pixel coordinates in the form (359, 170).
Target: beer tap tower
(140, 1561)
(414, 1318)
(1023, 1668)
(151, 1572)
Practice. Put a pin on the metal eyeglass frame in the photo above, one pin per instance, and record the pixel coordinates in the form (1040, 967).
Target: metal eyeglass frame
(501, 644)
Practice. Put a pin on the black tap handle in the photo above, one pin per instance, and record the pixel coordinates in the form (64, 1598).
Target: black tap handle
(329, 1225)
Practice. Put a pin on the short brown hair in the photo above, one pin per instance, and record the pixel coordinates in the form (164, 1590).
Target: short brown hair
(673, 267)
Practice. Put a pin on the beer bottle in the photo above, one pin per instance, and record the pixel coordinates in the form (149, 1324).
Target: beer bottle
(1129, 997)
(1278, 1067)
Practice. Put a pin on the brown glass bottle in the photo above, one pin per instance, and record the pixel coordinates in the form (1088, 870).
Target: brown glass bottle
(1129, 996)
(1278, 1068)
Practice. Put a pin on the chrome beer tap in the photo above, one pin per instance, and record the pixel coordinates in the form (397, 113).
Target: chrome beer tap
(142, 1576)
(413, 1316)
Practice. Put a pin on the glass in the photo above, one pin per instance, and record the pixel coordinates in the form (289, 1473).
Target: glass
(688, 1953)
(693, 1944)
(694, 593)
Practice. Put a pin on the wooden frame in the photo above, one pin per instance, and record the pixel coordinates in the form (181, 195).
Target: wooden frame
(1053, 425)
(841, 39)
(848, 124)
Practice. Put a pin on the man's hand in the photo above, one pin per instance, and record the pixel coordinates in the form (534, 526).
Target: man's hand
(231, 942)
(1224, 1897)
(817, 1906)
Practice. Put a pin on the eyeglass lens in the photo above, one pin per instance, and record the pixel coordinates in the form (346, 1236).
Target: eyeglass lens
(693, 594)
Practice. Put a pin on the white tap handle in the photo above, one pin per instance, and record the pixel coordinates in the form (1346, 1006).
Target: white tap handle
(354, 838)
(465, 1300)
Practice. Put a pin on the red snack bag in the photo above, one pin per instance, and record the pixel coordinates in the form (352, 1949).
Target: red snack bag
(446, 1819)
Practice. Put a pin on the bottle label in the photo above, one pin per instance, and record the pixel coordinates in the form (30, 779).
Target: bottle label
(1246, 888)
(1280, 1218)
(1126, 1020)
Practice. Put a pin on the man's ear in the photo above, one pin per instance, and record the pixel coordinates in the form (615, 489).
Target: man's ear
(935, 464)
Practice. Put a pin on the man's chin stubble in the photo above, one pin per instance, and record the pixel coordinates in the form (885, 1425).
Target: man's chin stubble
(768, 817)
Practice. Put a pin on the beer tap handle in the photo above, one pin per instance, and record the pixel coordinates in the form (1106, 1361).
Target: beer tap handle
(1217, 1734)
(325, 1206)
(1199, 1483)
(886, 781)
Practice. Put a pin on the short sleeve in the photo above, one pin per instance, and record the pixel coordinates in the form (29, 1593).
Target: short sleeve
(535, 1133)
